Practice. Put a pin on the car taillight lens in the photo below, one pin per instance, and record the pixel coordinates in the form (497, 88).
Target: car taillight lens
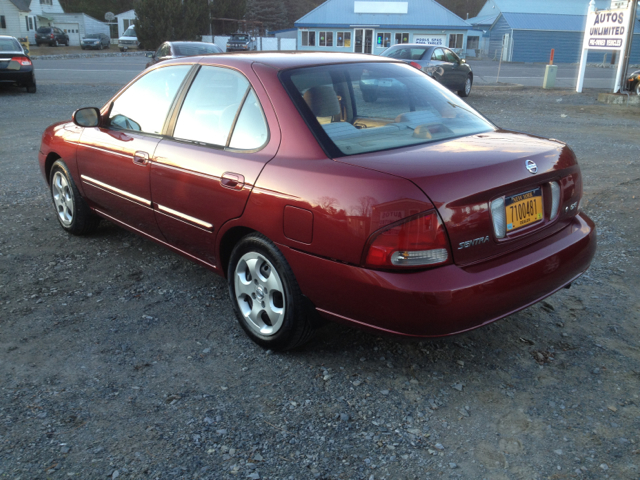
(51, 35)
(499, 217)
(416, 65)
(555, 199)
(419, 241)
(21, 60)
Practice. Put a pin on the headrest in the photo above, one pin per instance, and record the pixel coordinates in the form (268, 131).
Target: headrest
(322, 101)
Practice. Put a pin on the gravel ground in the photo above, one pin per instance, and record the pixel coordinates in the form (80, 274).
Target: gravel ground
(119, 359)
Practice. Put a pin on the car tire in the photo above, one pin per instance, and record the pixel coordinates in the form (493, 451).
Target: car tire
(466, 90)
(37, 44)
(32, 88)
(266, 297)
(54, 43)
(73, 214)
(100, 46)
(122, 49)
(637, 89)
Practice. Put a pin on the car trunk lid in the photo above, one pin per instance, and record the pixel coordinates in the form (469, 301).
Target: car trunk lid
(461, 177)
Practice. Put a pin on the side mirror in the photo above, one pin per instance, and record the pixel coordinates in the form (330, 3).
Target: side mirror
(150, 54)
(87, 117)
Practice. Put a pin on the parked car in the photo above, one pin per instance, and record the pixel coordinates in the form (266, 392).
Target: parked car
(413, 216)
(438, 62)
(16, 67)
(169, 50)
(96, 41)
(52, 36)
(128, 40)
(633, 82)
(240, 42)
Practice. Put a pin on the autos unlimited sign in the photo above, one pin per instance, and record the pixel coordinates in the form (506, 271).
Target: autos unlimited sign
(606, 30)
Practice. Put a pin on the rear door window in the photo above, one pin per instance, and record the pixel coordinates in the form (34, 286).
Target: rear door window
(220, 101)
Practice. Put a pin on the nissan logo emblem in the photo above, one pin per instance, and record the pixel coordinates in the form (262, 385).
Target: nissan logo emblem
(531, 166)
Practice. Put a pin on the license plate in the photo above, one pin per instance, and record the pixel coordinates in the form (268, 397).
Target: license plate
(523, 209)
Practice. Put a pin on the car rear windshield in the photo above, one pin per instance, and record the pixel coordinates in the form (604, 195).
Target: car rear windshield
(405, 53)
(9, 45)
(130, 32)
(368, 107)
(190, 49)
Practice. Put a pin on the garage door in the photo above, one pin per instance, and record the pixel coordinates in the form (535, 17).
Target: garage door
(73, 30)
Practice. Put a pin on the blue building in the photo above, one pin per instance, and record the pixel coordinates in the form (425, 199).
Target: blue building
(527, 30)
(372, 26)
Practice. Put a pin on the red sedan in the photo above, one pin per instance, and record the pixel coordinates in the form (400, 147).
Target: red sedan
(413, 215)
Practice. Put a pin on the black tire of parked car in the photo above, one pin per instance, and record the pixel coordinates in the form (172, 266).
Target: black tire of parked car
(82, 220)
(297, 327)
(54, 43)
(32, 88)
(466, 90)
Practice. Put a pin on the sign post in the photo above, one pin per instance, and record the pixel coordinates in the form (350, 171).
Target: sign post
(608, 30)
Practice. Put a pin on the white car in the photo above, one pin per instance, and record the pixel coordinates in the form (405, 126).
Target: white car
(128, 40)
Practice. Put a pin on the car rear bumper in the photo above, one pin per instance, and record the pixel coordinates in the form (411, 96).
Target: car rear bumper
(450, 299)
(23, 77)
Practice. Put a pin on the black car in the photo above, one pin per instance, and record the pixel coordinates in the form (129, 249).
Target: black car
(52, 36)
(438, 62)
(169, 50)
(16, 67)
(95, 40)
(633, 82)
(240, 42)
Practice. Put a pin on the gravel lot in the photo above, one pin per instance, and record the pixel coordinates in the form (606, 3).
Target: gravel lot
(119, 359)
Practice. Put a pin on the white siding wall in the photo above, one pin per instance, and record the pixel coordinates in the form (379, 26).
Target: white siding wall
(13, 18)
(128, 15)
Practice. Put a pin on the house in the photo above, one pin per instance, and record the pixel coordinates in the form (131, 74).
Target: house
(21, 18)
(527, 30)
(371, 26)
(125, 20)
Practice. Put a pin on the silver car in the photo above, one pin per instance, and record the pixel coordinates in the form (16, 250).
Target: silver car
(438, 62)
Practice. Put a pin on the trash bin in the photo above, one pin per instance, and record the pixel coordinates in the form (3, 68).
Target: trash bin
(25, 44)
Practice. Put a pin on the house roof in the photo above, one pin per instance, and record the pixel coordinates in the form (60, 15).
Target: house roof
(553, 7)
(485, 20)
(22, 5)
(411, 14)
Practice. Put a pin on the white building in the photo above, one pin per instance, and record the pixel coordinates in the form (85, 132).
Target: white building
(125, 20)
(21, 18)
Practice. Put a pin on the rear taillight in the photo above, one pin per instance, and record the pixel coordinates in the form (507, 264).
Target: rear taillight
(499, 217)
(21, 60)
(555, 199)
(416, 65)
(418, 241)
(51, 36)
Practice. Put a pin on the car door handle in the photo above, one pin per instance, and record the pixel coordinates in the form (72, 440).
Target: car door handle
(140, 158)
(234, 181)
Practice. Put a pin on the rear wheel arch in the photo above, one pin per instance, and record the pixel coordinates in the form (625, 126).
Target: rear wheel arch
(228, 242)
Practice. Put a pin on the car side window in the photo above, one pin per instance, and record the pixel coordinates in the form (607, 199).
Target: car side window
(211, 108)
(438, 54)
(144, 105)
(451, 57)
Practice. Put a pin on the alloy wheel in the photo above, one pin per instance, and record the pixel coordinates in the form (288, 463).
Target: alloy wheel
(63, 198)
(260, 294)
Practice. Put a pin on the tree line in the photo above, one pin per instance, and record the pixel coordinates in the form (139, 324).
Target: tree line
(162, 20)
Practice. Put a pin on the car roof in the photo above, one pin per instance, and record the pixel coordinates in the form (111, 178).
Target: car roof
(297, 59)
(416, 45)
